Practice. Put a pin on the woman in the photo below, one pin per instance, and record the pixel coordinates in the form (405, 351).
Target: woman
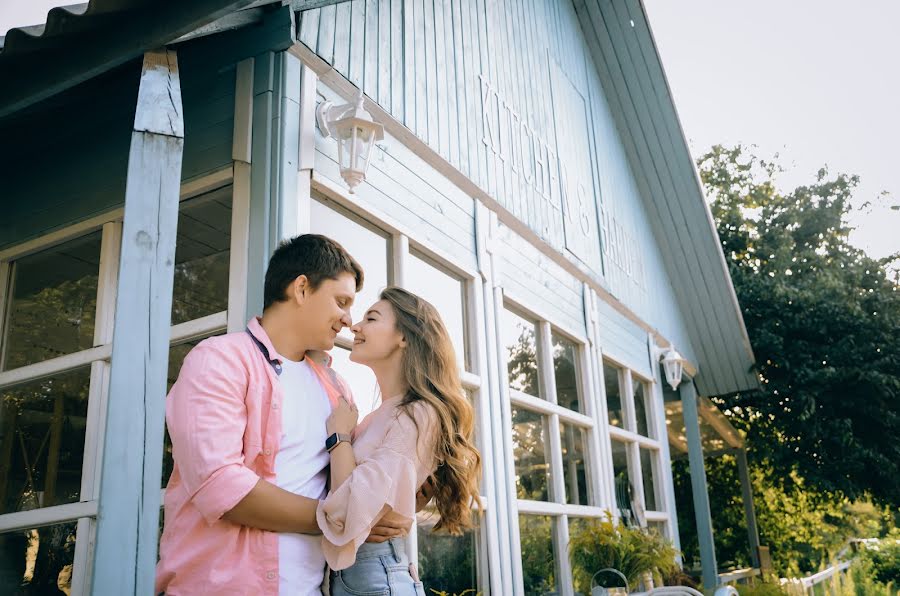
(422, 430)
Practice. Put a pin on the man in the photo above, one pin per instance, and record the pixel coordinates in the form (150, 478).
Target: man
(247, 422)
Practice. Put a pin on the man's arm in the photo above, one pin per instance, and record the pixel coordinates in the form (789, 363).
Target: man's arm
(271, 508)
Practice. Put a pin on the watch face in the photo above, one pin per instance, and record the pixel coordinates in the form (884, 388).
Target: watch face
(331, 441)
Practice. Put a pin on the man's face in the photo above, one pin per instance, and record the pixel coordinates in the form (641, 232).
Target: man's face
(326, 310)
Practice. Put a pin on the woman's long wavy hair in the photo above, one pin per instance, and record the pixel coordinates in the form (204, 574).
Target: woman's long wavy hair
(431, 372)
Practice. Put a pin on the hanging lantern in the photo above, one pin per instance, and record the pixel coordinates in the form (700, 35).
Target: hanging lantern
(355, 132)
(673, 365)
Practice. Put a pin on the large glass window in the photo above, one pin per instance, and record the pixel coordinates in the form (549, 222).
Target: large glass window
(445, 292)
(38, 561)
(613, 395)
(53, 299)
(202, 256)
(566, 373)
(538, 554)
(42, 441)
(574, 439)
(529, 450)
(448, 564)
(520, 343)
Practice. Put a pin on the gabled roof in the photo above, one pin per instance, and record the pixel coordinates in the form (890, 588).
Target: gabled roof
(628, 64)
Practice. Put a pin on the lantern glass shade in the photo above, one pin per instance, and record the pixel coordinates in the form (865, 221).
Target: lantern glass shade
(673, 364)
(355, 138)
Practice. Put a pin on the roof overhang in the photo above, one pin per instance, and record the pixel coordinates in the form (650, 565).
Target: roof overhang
(628, 64)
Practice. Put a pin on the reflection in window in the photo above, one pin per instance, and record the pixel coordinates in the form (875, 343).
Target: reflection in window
(445, 293)
(573, 442)
(657, 527)
(53, 302)
(649, 479)
(519, 339)
(641, 392)
(370, 248)
(38, 561)
(360, 378)
(202, 254)
(447, 564)
(613, 395)
(566, 373)
(532, 470)
(42, 441)
(624, 493)
(537, 555)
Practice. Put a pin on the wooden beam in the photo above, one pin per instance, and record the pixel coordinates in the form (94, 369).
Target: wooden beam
(116, 39)
(128, 516)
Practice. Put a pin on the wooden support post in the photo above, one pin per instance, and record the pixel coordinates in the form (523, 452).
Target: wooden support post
(128, 509)
(698, 485)
(749, 509)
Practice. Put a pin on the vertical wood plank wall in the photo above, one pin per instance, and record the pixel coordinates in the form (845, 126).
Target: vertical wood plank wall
(506, 92)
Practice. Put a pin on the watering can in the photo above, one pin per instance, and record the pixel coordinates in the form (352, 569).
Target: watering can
(601, 591)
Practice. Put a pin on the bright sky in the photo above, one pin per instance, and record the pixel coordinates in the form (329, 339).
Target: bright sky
(817, 81)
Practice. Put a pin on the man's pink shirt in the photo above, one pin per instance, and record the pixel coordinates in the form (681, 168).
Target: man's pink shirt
(224, 418)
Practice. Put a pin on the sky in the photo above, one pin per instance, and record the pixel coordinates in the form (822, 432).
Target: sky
(815, 81)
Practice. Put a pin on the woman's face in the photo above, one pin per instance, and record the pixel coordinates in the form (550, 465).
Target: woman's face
(376, 338)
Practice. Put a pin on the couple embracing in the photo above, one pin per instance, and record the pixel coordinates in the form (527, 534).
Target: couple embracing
(276, 489)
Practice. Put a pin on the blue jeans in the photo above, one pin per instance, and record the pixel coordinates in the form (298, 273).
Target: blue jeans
(380, 570)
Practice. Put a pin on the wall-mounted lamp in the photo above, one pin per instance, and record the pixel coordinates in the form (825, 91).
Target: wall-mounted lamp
(355, 132)
(673, 364)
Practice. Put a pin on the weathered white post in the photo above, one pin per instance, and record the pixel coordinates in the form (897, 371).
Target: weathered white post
(128, 517)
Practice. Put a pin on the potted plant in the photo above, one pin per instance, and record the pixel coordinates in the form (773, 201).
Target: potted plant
(603, 544)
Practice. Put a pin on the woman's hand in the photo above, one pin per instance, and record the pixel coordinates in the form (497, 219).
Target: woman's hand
(343, 418)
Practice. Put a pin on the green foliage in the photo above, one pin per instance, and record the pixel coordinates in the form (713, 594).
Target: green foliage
(860, 581)
(824, 323)
(885, 558)
(761, 589)
(537, 554)
(803, 528)
(601, 544)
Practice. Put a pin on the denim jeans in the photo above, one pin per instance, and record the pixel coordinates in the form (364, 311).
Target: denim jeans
(380, 570)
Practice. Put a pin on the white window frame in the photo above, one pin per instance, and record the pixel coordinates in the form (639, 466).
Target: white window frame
(552, 413)
(84, 511)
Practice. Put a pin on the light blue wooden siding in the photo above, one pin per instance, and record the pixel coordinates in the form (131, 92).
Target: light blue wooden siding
(506, 91)
(404, 189)
(74, 168)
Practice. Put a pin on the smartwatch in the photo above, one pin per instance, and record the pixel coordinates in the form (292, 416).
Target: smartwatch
(334, 440)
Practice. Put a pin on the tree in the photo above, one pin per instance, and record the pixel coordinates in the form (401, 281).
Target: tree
(824, 323)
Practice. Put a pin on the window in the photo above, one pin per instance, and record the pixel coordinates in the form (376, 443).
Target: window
(445, 292)
(635, 446)
(448, 564)
(552, 448)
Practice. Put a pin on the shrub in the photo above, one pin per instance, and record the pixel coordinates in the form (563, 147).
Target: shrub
(600, 544)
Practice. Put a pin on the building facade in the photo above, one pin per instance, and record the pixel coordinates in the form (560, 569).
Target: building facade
(534, 184)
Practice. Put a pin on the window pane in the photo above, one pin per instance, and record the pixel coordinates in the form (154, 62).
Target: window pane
(613, 396)
(42, 445)
(371, 250)
(53, 302)
(649, 479)
(532, 470)
(622, 481)
(538, 567)
(657, 527)
(573, 441)
(202, 255)
(360, 378)
(565, 371)
(37, 561)
(447, 564)
(640, 408)
(519, 339)
(445, 293)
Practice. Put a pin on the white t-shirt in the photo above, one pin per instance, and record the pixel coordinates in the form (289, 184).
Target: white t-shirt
(301, 467)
